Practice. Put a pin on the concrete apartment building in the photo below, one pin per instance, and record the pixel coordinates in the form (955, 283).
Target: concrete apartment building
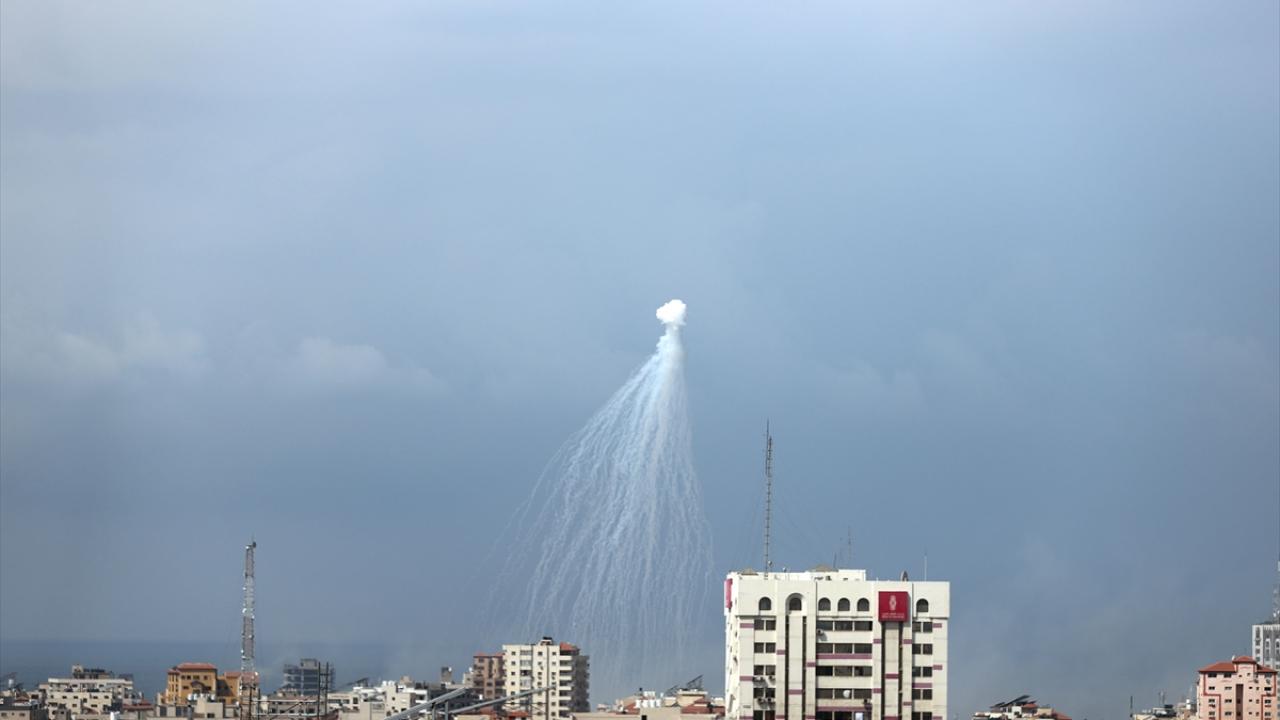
(87, 691)
(1266, 634)
(11, 709)
(487, 676)
(830, 644)
(188, 680)
(1239, 689)
(309, 677)
(559, 666)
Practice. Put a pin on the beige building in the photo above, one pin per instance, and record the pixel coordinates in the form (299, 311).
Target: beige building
(188, 680)
(1239, 689)
(559, 666)
(29, 710)
(830, 644)
(685, 704)
(87, 692)
(486, 675)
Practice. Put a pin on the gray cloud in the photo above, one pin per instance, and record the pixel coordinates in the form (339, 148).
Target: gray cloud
(1002, 277)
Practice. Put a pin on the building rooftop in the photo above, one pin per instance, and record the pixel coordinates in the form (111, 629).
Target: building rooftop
(819, 573)
(1230, 666)
(192, 666)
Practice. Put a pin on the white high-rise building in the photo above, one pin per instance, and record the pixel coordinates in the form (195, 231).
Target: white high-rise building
(1266, 635)
(832, 645)
(547, 664)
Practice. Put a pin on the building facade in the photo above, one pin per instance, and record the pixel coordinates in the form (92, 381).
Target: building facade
(830, 644)
(1266, 642)
(487, 676)
(1239, 689)
(1266, 635)
(309, 677)
(186, 681)
(547, 664)
(87, 691)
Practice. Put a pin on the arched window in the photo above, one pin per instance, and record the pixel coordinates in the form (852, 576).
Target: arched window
(824, 605)
(864, 605)
(843, 605)
(922, 606)
(794, 604)
(766, 604)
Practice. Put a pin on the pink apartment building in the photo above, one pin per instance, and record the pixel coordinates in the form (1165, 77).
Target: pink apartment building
(1240, 689)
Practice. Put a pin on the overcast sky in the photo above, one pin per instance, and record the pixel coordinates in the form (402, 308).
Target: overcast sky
(1003, 277)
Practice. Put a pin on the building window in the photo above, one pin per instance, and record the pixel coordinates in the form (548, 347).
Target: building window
(766, 647)
(765, 624)
(924, 627)
(922, 649)
(843, 605)
(922, 606)
(766, 604)
(862, 625)
(919, 694)
(795, 604)
(824, 605)
(864, 605)
(925, 671)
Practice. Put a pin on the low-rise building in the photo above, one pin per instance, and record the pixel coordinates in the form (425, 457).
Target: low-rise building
(189, 680)
(1023, 707)
(1237, 689)
(686, 704)
(87, 691)
(30, 709)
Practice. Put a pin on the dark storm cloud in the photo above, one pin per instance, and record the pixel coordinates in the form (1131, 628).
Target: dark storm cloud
(1003, 277)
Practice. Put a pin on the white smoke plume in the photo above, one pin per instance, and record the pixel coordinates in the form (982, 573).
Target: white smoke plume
(612, 552)
(672, 313)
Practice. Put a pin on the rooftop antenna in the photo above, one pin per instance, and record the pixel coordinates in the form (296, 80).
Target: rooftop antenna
(768, 495)
(1275, 596)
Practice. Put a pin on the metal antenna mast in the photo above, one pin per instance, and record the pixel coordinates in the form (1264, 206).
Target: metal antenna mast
(248, 674)
(1275, 596)
(768, 495)
(246, 630)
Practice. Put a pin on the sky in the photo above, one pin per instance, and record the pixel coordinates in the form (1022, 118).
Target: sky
(1003, 278)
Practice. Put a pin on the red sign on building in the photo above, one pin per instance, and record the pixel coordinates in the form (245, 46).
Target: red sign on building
(894, 606)
(728, 593)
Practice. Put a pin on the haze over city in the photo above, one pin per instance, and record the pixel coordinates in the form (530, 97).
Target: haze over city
(1003, 279)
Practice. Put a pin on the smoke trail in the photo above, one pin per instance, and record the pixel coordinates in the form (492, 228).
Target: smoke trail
(613, 548)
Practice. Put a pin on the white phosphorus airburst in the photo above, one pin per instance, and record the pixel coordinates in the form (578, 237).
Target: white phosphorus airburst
(612, 551)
